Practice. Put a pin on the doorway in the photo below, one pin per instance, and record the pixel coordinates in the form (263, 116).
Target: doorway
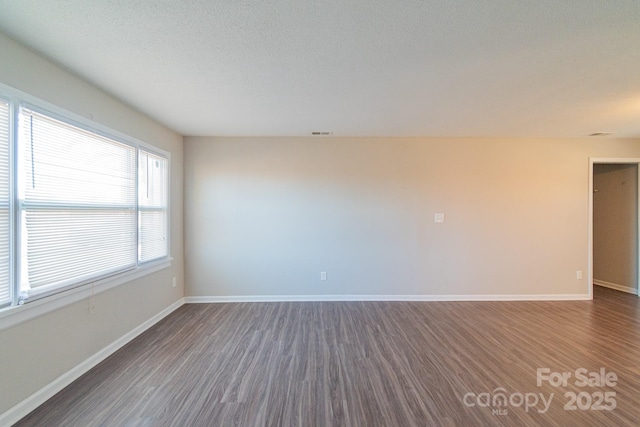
(614, 224)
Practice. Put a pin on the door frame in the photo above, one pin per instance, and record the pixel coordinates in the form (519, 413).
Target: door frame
(609, 160)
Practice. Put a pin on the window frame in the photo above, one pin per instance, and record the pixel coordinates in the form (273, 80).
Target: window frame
(139, 209)
(39, 303)
(11, 206)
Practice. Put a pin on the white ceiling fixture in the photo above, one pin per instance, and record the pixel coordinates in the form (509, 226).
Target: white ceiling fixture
(498, 68)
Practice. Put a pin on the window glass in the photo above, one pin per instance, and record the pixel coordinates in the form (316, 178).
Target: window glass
(152, 205)
(77, 203)
(5, 213)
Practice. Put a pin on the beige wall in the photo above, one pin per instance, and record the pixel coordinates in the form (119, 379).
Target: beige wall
(264, 216)
(615, 219)
(35, 353)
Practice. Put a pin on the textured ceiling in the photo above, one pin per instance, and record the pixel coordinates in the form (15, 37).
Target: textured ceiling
(358, 68)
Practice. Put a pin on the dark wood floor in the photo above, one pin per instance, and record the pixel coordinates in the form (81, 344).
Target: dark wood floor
(363, 364)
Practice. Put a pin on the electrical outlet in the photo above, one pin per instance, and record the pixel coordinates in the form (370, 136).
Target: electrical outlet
(174, 283)
(579, 274)
(323, 275)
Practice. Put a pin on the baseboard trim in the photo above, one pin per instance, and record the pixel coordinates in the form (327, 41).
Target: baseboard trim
(302, 298)
(615, 286)
(23, 408)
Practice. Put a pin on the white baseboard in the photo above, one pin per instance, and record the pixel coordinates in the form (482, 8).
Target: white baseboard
(23, 408)
(294, 298)
(615, 286)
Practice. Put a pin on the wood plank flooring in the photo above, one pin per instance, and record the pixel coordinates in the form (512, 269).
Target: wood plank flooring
(363, 364)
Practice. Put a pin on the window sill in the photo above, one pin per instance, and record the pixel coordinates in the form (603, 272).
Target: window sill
(14, 315)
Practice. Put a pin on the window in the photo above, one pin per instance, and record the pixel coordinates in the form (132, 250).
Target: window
(5, 212)
(152, 206)
(77, 203)
(87, 205)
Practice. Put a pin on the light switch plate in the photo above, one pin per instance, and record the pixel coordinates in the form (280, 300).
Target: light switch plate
(439, 217)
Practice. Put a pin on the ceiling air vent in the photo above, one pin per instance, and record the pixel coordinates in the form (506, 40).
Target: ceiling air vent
(321, 133)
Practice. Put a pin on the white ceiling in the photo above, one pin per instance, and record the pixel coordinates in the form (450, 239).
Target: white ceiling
(545, 68)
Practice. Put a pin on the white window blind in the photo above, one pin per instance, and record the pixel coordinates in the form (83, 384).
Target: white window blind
(77, 204)
(5, 217)
(152, 206)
